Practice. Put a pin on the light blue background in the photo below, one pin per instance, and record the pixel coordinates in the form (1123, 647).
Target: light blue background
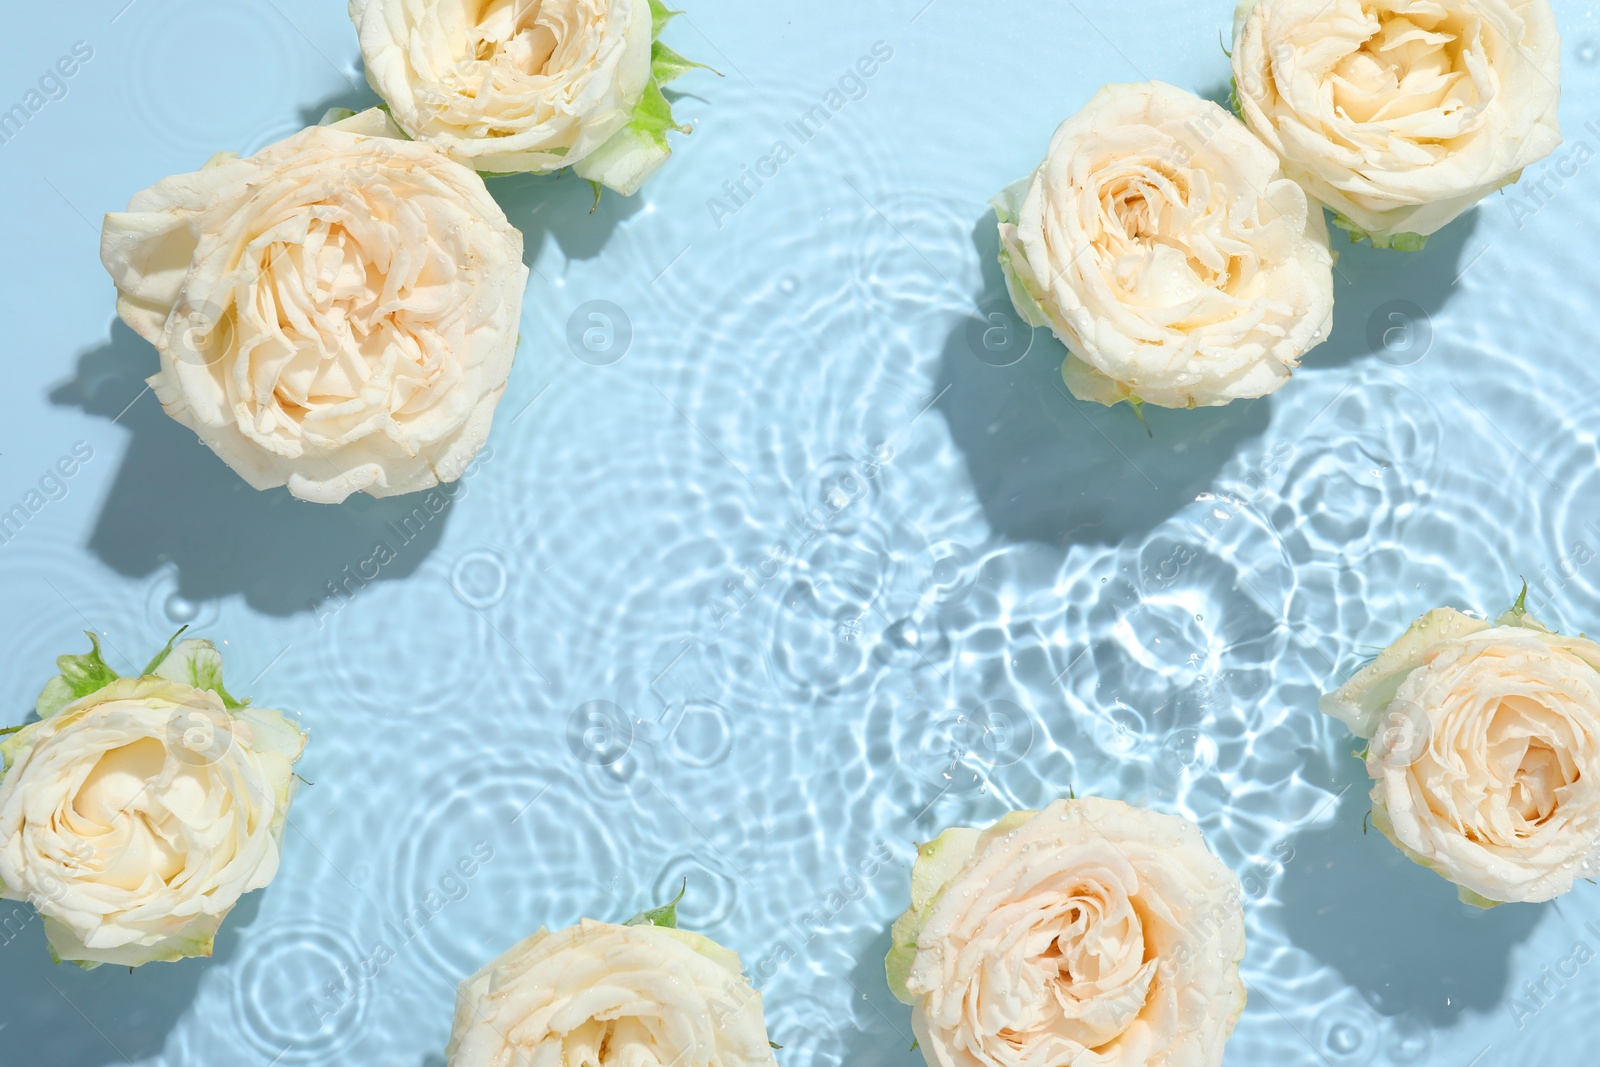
(1144, 617)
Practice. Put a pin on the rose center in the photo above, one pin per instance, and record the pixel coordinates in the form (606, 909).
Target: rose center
(344, 340)
(1530, 765)
(1150, 214)
(1093, 964)
(1533, 789)
(110, 819)
(521, 35)
(1137, 203)
(1412, 64)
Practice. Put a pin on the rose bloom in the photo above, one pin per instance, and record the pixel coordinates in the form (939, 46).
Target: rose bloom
(1162, 244)
(518, 86)
(1400, 114)
(337, 313)
(1089, 932)
(1485, 753)
(600, 993)
(135, 817)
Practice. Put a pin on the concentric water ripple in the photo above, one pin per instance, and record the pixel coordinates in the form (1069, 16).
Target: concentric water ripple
(482, 859)
(792, 551)
(302, 991)
(221, 101)
(426, 625)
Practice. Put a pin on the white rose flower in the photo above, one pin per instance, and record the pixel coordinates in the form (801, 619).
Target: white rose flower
(1091, 932)
(511, 86)
(597, 994)
(1162, 244)
(1400, 114)
(138, 811)
(336, 313)
(1485, 753)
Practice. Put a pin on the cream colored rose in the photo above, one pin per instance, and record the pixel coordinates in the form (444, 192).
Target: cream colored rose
(527, 85)
(1162, 244)
(1485, 752)
(600, 994)
(1091, 932)
(1400, 114)
(135, 817)
(337, 313)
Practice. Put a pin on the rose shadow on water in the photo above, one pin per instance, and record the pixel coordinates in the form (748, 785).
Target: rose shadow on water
(1392, 929)
(877, 1033)
(1052, 469)
(174, 501)
(134, 1012)
(1384, 301)
(559, 205)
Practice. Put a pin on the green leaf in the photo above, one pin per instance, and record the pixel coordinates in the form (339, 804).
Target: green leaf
(1399, 242)
(660, 15)
(667, 66)
(666, 915)
(150, 668)
(80, 676)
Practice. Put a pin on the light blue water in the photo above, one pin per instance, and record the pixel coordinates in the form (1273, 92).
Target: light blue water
(806, 571)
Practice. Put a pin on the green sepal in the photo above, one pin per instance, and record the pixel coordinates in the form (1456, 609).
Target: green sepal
(1398, 242)
(1007, 204)
(667, 66)
(1476, 900)
(1136, 405)
(653, 115)
(156, 660)
(198, 665)
(660, 15)
(1520, 608)
(80, 676)
(666, 915)
(637, 150)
